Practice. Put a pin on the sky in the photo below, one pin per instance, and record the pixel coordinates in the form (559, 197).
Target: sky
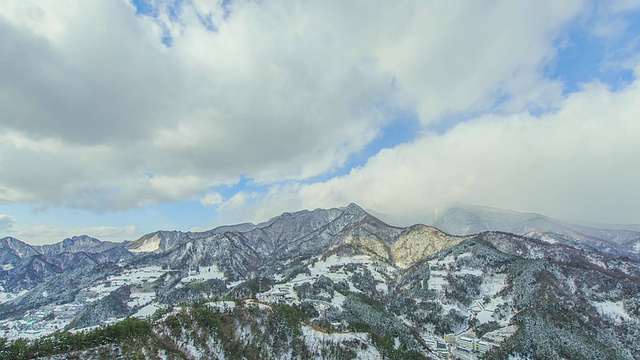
(119, 118)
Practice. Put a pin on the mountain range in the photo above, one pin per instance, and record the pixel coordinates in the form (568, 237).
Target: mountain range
(331, 283)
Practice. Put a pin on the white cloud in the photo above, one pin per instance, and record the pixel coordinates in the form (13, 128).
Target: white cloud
(577, 163)
(459, 56)
(102, 115)
(239, 200)
(6, 222)
(212, 199)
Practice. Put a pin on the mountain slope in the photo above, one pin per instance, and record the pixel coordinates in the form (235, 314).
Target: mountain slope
(341, 283)
(77, 244)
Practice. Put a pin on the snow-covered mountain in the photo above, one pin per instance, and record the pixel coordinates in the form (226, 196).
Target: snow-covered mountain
(612, 240)
(23, 266)
(335, 283)
(13, 250)
(76, 244)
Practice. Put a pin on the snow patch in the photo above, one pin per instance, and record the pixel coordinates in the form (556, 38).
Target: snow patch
(222, 305)
(315, 341)
(140, 298)
(7, 296)
(146, 311)
(149, 245)
(204, 273)
(615, 310)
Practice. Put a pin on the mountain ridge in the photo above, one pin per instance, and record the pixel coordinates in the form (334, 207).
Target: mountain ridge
(334, 274)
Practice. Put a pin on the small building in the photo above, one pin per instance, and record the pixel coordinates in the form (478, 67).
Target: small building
(482, 346)
(466, 343)
(450, 339)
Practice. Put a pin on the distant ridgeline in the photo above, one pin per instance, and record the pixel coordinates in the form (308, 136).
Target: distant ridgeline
(330, 284)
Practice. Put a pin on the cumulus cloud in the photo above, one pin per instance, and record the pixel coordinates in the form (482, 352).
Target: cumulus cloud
(579, 162)
(6, 222)
(212, 199)
(100, 113)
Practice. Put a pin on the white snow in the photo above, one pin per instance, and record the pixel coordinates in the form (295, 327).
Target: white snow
(149, 245)
(493, 284)
(140, 298)
(499, 335)
(338, 300)
(548, 239)
(222, 305)
(615, 310)
(315, 340)
(6, 267)
(137, 276)
(6, 296)
(437, 280)
(205, 273)
(34, 325)
(146, 311)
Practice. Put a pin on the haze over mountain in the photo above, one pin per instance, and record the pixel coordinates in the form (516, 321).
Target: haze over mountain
(612, 239)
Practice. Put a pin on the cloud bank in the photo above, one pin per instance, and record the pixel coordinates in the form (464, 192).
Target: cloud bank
(577, 163)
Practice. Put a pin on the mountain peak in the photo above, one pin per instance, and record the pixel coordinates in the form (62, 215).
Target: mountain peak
(81, 238)
(353, 208)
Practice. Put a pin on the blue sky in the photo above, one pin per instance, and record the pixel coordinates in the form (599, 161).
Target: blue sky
(127, 117)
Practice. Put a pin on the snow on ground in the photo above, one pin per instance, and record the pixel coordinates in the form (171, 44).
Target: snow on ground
(7, 296)
(43, 321)
(493, 284)
(258, 304)
(204, 273)
(149, 245)
(140, 298)
(499, 335)
(338, 300)
(437, 280)
(615, 310)
(485, 316)
(37, 324)
(382, 287)
(548, 239)
(222, 305)
(192, 349)
(323, 267)
(329, 267)
(316, 341)
(377, 271)
(134, 277)
(6, 267)
(333, 267)
(233, 284)
(467, 271)
(101, 290)
(137, 276)
(146, 311)
(30, 329)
